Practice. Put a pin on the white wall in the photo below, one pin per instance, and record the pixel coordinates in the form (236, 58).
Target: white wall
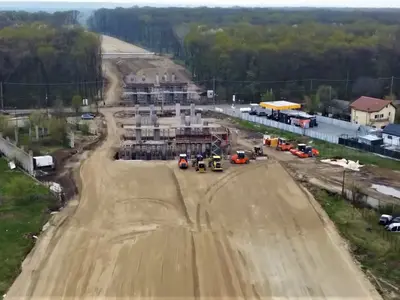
(13, 152)
(394, 140)
(270, 123)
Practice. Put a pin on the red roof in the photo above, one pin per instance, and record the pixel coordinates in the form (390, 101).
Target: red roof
(369, 104)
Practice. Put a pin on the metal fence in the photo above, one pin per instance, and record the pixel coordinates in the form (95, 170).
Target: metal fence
(375, 149)
(339, 123)
(282, 126)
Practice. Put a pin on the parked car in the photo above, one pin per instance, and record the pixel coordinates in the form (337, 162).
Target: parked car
(88, 116)
(385, 219)
(394, 227)
(388, 219)
(262, 114)
(245, 110)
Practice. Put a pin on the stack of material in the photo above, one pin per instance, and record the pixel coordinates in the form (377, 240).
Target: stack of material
(347, 164)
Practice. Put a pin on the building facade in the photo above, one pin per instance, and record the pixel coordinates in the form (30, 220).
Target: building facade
(373, 112)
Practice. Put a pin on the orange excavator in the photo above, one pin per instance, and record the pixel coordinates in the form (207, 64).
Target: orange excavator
(183, 161)
(240, 158)
(284, 145)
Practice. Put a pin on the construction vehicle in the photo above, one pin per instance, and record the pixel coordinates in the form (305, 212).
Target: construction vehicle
(201, 167)
(300, 148)
(258, 151)
(270, 141)
(306, 151)
(240, 158)
(215, 163)
(196, 160)
(183, 161)
(284, 145)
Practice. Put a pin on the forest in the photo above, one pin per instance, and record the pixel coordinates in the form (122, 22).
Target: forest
(47, 57)
(57, 19)
(249, 52)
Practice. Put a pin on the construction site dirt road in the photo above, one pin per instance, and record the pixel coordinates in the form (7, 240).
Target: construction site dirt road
(149, 229)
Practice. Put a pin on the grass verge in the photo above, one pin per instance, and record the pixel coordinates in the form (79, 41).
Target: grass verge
(327, 150)
(23, 211)
(377, 250)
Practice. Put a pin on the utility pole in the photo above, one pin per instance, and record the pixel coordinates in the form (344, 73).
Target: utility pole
(214, 91)
(311, 85)
(47, 107)
(1, 96)
(391, 86)
(347, 81)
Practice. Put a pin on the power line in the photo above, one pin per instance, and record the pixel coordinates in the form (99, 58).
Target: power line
(299, 80)
(204, 81)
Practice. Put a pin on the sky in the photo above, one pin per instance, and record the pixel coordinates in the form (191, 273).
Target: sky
(224, 3)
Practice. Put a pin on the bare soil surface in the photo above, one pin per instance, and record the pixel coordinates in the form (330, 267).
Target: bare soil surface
(111, 44)
(148, 229)
(148, 66)
(312, 168)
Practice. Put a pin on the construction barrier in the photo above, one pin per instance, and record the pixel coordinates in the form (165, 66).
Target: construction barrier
(13, 152)
(282, 126)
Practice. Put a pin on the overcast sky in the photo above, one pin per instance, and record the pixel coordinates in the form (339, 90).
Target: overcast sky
(271, 3)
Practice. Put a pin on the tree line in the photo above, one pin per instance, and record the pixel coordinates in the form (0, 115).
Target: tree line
(242, 47)
(35, 56)
(163, 29)
(249, 60)
(56, 19)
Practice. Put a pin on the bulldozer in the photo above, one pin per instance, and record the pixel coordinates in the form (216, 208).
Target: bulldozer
(240, 158)
(215, 163)
(183, 161)
(284, 145)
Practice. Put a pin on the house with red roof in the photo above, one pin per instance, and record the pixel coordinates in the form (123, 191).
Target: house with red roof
(373, 112)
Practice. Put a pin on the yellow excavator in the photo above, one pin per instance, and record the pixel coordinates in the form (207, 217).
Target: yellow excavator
(215, 163)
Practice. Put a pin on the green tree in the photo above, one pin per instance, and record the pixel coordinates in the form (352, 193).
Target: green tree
(3, 123)
(268, 96)
(312, 103)
(325, 94)
(76, 103)
(58, 130)
(38, 53)
(58, 107)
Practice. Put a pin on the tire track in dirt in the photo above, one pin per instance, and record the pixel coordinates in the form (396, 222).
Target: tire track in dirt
(225, 180)
(161, 202)
(180, 198)
(214, 188)
(195, 270)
